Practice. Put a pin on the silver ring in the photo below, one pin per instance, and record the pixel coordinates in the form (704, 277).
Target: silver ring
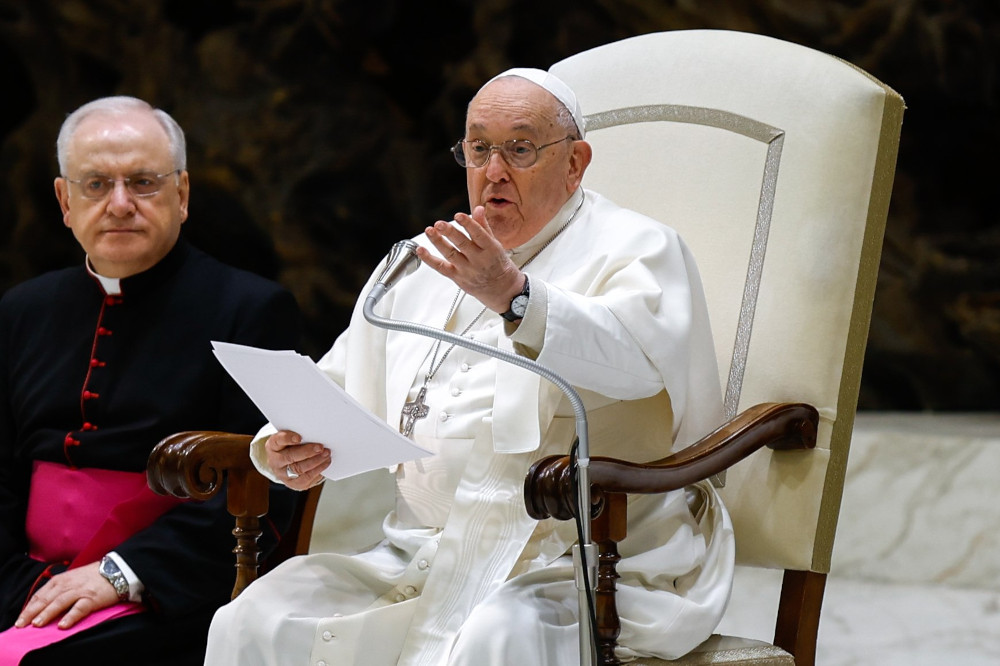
(289, 473)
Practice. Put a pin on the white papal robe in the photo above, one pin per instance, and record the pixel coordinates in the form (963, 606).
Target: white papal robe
(463, 576)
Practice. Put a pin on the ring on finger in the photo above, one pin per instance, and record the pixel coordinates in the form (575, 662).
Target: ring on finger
(290, 473)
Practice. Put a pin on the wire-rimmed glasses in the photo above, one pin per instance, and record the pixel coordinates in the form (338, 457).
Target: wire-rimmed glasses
(142, 184)
(518, 153)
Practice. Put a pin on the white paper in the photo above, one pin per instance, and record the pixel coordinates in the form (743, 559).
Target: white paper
(294, 394)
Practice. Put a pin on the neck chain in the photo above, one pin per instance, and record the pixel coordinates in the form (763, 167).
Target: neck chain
(418, 409)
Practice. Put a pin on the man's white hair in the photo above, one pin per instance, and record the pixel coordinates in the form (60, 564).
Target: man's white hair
(117, 105)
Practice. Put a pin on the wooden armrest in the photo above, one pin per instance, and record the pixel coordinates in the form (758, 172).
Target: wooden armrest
(550, 491)
(550, 488)
(193, 465)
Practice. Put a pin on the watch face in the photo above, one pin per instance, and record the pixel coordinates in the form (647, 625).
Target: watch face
(519, 305)
(109, 569)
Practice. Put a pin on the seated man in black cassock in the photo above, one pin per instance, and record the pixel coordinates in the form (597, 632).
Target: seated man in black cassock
(99, 362)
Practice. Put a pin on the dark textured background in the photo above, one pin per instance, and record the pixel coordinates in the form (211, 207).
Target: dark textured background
(318, 133)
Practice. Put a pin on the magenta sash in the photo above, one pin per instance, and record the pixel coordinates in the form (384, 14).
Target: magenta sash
(76, 516)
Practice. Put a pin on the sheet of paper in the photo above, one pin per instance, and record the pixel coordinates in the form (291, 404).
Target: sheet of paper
(294, 394)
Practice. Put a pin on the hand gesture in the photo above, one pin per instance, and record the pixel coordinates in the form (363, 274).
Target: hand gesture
(475, 260)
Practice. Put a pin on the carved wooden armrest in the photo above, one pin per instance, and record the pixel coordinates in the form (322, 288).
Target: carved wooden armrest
(550, 491)
(550, 488)
(193, 465)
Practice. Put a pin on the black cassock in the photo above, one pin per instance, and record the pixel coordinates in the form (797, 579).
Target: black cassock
(92, 380)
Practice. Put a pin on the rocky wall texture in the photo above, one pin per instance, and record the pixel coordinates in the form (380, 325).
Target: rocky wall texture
(318, 134)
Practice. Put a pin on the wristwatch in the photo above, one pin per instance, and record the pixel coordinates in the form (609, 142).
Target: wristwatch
(518, 304)
(109, 569)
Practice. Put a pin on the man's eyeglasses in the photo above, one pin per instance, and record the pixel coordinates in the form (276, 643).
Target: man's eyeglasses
(517, 152)
(139, 185)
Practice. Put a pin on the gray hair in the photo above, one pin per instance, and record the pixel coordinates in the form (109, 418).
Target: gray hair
(117, 105)
(565, 119)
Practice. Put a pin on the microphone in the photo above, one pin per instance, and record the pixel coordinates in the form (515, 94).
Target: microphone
(402, 261)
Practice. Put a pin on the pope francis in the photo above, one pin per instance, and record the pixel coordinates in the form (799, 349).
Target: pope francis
(606, 298)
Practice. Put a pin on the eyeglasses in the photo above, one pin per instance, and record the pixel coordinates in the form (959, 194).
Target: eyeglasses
(517, 152)
(139, 185)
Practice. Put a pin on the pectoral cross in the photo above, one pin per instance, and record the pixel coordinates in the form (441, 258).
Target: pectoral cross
(412, 411)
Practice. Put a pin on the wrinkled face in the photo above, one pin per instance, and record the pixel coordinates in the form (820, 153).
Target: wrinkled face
(520, 201)
(123, 233)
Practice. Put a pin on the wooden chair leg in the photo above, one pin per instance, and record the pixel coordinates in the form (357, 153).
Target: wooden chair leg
(608, 529)
(247, 532)
(797, 624)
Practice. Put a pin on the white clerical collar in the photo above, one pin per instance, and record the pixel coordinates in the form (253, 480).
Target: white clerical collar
(552, 227)
(112, 286)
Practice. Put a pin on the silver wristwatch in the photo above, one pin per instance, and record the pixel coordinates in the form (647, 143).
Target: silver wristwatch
(109, 569)
(518, 304)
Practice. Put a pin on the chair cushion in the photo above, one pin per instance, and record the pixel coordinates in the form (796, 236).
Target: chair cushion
(730, 650)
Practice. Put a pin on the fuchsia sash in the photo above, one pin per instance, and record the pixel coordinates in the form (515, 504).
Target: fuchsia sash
(77, 516)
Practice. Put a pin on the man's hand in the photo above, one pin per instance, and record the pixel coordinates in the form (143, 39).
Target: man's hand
(76, 592)
(477, 263)
(298, 464)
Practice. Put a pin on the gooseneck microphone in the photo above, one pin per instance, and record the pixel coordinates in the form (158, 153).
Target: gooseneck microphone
(402, 261)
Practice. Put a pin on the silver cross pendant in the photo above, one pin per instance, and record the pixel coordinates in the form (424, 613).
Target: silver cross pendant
(412, 411)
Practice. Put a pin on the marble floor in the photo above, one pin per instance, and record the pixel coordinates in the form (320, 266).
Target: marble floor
(866, 623)
(915, 579)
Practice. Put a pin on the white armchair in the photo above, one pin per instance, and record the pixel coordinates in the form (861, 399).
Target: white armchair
(775, 162)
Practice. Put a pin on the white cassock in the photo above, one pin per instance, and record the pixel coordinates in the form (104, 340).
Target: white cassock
(463, 576)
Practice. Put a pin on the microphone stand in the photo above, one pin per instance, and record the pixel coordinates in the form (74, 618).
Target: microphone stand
(403, 261)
